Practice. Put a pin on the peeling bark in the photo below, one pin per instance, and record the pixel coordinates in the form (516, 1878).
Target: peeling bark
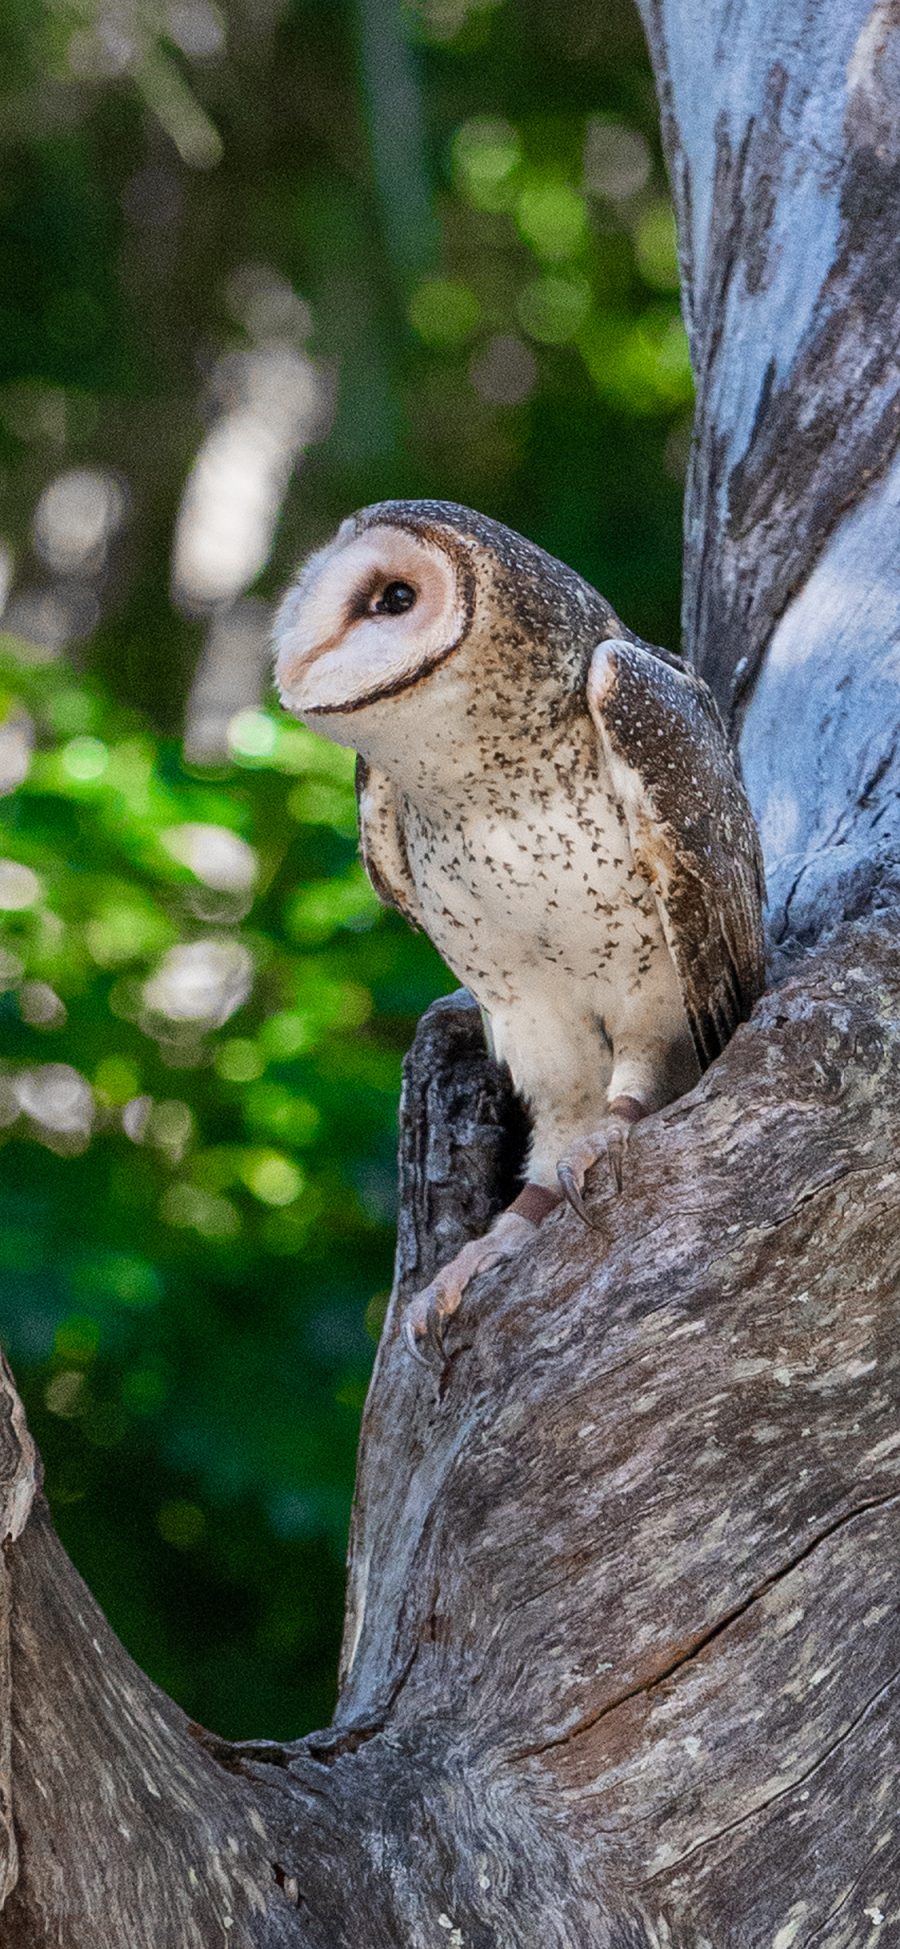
(622, 1655)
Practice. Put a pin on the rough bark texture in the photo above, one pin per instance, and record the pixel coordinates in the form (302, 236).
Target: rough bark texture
(622, 1657)
(783, 138)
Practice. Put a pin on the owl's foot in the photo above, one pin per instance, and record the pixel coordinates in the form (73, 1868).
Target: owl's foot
(611, 1142)
(427, 1314)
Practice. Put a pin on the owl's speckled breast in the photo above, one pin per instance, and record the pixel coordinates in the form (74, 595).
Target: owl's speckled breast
(531, 878)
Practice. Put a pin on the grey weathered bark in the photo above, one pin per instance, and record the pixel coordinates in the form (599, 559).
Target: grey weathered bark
(622, 1661)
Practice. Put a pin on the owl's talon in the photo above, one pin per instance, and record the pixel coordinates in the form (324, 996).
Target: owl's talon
(413, 1343)
(612, 1143)
(572, 1172)
(617, 1139)
(426, 1321)
(572, 1185)
(427, 1314)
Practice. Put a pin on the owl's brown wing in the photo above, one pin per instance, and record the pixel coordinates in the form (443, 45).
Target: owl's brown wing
(691, 829)
(381, 842)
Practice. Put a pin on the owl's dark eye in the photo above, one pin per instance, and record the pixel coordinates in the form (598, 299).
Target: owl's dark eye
(395, 599)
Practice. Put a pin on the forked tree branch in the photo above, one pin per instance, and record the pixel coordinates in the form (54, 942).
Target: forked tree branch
(622, 1657)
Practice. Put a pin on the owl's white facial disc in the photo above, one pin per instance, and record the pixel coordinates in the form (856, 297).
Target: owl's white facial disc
(370, 615)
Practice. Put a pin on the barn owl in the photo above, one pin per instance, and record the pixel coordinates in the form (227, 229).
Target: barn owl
(556, 804)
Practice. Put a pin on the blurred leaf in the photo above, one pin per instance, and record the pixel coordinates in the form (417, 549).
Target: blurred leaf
(447, 224)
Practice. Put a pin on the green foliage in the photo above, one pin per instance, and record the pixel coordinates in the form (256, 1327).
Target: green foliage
(198, 1173)
(448, 221)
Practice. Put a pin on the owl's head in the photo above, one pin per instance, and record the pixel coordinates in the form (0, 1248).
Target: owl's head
(412, 591)
(374, 612)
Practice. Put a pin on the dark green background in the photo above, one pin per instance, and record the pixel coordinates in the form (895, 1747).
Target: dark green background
(467, 200)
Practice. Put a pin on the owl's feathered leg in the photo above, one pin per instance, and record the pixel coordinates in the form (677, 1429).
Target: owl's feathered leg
(427, 1314)
(642, 1080)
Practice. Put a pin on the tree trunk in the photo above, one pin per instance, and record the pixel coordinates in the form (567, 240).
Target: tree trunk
(622, 1657)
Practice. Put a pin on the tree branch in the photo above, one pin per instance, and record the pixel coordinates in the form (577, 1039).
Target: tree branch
(622, 1650)
(659, 1494)
(783, 144)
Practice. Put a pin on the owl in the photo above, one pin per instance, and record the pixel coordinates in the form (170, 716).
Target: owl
(556, 803)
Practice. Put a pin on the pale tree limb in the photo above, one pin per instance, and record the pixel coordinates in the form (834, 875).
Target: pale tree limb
(783, 141)
(622, 1658)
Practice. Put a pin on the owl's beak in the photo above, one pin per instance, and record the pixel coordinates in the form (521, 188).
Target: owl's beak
(291, 667)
